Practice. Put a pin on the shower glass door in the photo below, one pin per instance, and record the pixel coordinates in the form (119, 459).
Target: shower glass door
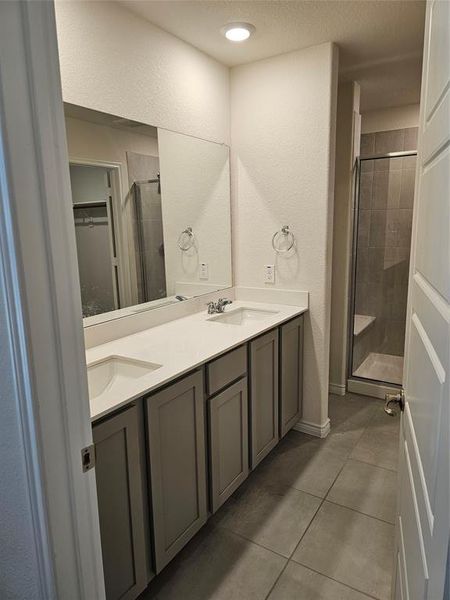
(150, 241)
(383, 222)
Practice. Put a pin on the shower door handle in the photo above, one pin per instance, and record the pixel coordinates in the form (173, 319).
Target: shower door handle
(394, 399)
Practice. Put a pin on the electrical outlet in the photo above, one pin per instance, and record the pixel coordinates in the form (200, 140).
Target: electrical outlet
(269, 273)
(204, 271)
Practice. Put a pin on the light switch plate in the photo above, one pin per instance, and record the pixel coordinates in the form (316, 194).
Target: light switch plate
(204, 271)
(269, 273)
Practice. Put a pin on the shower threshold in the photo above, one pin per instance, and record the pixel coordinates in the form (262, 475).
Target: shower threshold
(381, 367)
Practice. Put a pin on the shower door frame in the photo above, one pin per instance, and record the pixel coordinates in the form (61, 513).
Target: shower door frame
(140, 237)
(355, 224)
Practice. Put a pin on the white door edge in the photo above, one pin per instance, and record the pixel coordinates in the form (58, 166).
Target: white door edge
(40, 271)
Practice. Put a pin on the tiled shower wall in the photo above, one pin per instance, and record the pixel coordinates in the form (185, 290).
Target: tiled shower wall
(384, 239)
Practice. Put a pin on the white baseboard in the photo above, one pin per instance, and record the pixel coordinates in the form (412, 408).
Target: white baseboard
(337, 388)
(320, 431)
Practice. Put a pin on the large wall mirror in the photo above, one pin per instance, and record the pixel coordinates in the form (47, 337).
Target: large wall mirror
(151, 213)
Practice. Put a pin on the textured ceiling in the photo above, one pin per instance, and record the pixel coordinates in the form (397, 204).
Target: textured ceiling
(370, 34)
(366, 30)
(388, 84)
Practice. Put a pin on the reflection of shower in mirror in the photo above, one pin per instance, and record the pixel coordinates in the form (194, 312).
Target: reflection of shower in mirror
(149, 185)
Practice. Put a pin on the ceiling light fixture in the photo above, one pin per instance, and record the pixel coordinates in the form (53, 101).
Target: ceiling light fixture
(238, 32)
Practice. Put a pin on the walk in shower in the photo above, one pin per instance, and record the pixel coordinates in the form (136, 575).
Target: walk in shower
(381, 248)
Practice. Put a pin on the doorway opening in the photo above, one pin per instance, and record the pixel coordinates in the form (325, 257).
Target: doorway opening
(94, 212)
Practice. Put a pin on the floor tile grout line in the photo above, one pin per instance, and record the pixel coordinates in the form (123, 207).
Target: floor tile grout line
(369, 422)
(293, 552)
(325, 499)
(245, 538)
(304, 533)
(364, 429)
(365, 462)
(266, 597)
(322, 500)
(287, 558)
(336, 580)
(360, 512)
(291, 487)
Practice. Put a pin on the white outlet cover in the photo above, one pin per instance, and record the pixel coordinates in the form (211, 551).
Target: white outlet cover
(204, 271)
(269, 273)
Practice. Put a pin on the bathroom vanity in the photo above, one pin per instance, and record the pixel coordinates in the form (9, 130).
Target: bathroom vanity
(223, 391)
(183, 405)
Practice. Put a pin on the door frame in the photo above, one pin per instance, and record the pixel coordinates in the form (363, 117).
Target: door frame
(120, 233)
(39, 275)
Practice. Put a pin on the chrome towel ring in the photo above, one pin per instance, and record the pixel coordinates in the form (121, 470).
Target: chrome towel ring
(186, 239)
(284, 236)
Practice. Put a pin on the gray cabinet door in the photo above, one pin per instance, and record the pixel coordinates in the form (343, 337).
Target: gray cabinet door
(263, 395)
(228, 442)
(176, 446)
(119, 474)
(291, 374)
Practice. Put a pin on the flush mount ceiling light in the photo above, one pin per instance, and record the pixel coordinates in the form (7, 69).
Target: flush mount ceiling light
(238, 32)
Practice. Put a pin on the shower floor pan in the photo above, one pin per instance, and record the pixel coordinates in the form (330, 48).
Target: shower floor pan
(381, 367)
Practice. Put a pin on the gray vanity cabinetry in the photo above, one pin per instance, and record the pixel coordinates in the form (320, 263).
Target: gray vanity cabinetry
(228, 441)
(264, 412)
(227, 415)
(120, 475)
(176, 456)
(291, 374)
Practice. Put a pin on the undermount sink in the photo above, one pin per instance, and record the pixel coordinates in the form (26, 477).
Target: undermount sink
(105, 375)
(243, 316)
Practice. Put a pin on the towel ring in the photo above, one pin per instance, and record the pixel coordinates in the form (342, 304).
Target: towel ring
(186, 239)
(287, 235)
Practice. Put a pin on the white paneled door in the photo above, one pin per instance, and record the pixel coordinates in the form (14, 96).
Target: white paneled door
(422, 539)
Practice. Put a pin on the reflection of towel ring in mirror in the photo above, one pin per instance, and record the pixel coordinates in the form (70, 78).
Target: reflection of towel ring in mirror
(287, 236)
(186, 239)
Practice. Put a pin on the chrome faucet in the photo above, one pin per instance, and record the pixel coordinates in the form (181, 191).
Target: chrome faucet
(218, 307)
(221, 303)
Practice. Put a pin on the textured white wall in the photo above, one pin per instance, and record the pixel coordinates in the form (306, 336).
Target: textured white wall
(283, 128)
(195, 190)
(283, 112)
(386, 119)
(116, 62)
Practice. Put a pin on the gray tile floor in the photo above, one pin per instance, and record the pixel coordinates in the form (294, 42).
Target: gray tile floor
(313, 522)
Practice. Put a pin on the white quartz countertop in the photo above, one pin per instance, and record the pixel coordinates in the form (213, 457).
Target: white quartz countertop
(179, 347)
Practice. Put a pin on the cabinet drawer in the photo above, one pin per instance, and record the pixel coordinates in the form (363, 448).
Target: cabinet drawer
(226, 369)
